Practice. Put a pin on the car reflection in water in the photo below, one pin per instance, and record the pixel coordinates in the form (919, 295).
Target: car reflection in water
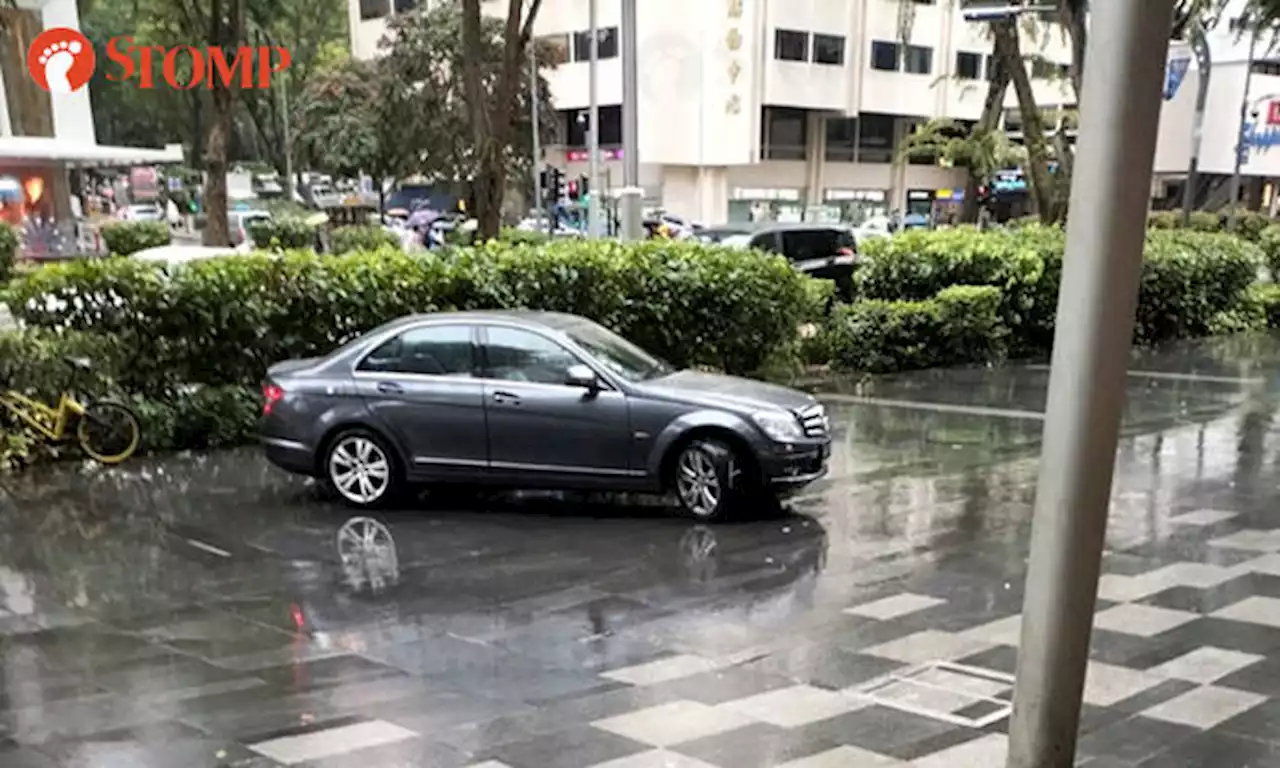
(367, 553)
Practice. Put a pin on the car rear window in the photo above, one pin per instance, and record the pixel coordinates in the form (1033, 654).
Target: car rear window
(803, 244)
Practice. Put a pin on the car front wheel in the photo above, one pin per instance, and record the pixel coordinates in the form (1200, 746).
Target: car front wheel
(706, 479)
(362, 470)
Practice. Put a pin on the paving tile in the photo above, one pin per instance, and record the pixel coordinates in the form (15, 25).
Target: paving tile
(572, 747)
(894, 606)
(721, 685)
(1133, 739)
(1205, 707)
(662, 670)
(673, 723)
(758, 746)
(292, 750)
(985, 752)
(1214, 749)
(844, 757)
(1006, 631)
(888, 731)
(1202, 517)
(1260, 541)
(1255, 610)
(658, 758)
(795, 706)
(1141, 620)
(1106, 684)
(929, 645)
(1205, 665)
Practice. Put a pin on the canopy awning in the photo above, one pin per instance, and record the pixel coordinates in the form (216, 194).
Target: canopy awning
(30, 149)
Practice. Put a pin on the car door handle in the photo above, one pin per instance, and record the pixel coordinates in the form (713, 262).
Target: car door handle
(508, 398)
(390, 388)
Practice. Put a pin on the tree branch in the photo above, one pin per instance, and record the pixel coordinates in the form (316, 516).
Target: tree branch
(527, 32)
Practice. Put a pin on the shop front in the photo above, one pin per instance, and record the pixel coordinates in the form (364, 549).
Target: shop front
(856, 206)
(948, 205)
(752, 205)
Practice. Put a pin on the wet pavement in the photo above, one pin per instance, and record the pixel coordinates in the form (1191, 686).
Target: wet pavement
(212, 611)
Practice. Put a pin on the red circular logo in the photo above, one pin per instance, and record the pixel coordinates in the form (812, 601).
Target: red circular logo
(61, 60)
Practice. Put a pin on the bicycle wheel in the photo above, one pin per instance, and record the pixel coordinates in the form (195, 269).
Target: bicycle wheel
(109, 432)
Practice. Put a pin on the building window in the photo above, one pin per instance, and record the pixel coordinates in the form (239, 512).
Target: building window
(842, 139)
(790, 45)
(374, 9)
(968, 65)
(884, 56)
(918, 60)
(828, 49)
(1266, 67)
(875, 138)
(784, 133)
(573, 123)
(606, 44)
(556, 47)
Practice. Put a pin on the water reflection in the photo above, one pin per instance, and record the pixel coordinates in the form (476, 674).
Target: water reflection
(367, 552)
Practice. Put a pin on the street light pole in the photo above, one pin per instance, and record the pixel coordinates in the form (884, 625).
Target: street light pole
(593, 118)
(632, 194)
(1204, 62)
(1110, 192)
(537, 138)
(1242, 140)
(288, 142)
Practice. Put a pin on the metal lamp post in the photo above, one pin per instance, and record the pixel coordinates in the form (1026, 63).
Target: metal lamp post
(593, 118)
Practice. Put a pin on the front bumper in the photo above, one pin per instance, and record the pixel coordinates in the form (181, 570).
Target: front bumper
(796, 465)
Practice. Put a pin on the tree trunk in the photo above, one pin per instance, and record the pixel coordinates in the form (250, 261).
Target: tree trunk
(1009, 51)
(227, 31)
(997, 87)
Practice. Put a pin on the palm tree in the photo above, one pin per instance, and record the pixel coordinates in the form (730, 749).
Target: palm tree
(980, 150)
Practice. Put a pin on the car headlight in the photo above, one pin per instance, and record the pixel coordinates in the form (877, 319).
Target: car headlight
(778, 425)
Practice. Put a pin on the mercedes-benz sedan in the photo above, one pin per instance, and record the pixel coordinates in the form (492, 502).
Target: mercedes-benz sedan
(534, 400)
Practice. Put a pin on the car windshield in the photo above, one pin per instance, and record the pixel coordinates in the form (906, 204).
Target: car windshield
(620, 356)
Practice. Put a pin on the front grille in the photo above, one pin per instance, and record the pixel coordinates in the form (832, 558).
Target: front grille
(814, 420)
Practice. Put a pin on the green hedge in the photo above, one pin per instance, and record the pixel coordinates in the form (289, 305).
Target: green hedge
(223, 321)
(282, 233)
(1269, 242)
(8, 251)
(361, 238)
(961, 324)
(1249, 224)
(1190, 279)
(1267, 298)
(125, 238)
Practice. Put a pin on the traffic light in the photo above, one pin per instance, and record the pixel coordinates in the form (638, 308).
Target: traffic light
(574, 191)
(584, 186)
(557, 184)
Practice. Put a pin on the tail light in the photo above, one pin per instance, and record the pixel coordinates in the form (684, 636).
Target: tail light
(271, 394)
(846, 252)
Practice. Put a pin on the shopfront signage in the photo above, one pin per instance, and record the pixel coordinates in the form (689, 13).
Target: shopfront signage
(1273, 113)
(765, 193)
(1174, 74)
(733, 41)
(863, 195)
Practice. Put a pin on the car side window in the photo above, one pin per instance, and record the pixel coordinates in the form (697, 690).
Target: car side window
(433, 351)
(515, 355)
(767, 242)
(805, 244)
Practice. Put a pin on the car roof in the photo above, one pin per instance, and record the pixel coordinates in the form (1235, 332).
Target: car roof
(801, 226)
(551, 320)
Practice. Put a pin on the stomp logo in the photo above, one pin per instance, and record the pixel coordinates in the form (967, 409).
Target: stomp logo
(62, 60)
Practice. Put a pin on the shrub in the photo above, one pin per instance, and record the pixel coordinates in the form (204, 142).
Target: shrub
(1268, 298)
(1250, 224)
(1269, 242)
(961, 324)
(8, 251)
(1204, 221)
(1188, 278)
(125, 238)
(360, 238)
(514, 236)
(222, 321)
(1164, 220)
(282, 233)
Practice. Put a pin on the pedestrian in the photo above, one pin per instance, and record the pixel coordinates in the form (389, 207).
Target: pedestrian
(171, 214)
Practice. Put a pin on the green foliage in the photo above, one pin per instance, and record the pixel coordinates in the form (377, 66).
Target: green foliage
(8, 251)
(1189, 278)
(1250, 224)
(1269, 242)
(1204, 221)
(514, 236)
(1268, 298)
(200, 417)
(361, 238)
(125, 238)
(223, 321)
(281, 233)
(962, 324)
(1164, 220)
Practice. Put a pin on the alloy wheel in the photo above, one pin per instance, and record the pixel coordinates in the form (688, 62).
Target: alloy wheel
(359, 469)
(697, 482)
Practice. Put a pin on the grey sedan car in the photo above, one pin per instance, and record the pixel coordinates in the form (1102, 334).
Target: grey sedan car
(534, 400)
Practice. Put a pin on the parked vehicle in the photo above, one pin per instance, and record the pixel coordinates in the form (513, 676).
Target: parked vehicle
(238, 224)
(181, 254)
(824, 251)
(535, 400)
(142, 212)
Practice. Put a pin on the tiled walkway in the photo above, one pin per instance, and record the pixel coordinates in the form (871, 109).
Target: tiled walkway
(195, 613)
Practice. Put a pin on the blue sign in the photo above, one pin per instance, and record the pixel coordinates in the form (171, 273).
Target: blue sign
(1174, 74)
(1258, 138)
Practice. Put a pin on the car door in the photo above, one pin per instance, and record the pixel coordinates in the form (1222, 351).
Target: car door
(422, 387)
(541, 427)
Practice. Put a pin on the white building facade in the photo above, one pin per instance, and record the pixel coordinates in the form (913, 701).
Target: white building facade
(770, 108)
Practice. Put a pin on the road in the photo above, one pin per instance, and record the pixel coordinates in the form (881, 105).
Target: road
(199, 610)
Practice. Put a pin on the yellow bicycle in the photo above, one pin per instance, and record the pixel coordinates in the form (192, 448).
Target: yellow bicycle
(106, 431)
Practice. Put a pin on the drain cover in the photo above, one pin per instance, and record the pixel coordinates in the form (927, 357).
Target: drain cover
(954, 693)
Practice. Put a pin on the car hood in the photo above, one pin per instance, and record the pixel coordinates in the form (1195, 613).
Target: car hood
(718, 390)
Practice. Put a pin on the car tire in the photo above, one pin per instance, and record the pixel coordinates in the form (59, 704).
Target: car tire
(707, 481)
(362, 470)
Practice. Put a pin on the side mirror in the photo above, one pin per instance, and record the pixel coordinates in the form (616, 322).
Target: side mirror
(582, 376)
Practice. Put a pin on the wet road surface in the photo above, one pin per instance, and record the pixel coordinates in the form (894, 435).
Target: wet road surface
(212, 611)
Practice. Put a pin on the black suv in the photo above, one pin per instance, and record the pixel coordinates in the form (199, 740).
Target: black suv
(824, 251)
